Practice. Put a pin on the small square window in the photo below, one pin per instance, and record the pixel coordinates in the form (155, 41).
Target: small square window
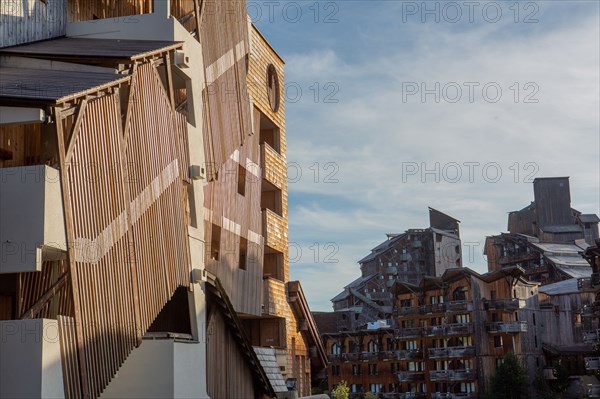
(241, 186)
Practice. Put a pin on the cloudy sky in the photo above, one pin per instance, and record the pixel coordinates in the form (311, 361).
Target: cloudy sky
(396, 106)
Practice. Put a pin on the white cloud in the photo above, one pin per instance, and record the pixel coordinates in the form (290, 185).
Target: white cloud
(371, 132)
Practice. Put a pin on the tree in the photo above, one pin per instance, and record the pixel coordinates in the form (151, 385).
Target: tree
(341, 391)
(510, 380)
(370, 395)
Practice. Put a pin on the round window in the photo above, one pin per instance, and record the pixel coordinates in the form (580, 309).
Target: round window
(273, 87)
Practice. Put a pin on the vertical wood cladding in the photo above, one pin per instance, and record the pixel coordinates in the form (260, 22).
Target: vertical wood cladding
(229, 370)
(232, 196)
(224, 38)
(127, 226)
(23, 21)
(87, 10)
(20, 145)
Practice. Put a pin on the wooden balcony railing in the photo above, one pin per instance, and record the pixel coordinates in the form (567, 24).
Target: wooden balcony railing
(274, 299)
(274, 230)
(508, 327)
(451, 352)
(590, 337)
(592, 363)
(450, 329)
(272, 165)
(452, 375)
(502, 304)
(404, 376)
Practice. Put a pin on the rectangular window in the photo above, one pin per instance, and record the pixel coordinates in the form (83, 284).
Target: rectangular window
(243, 261)
(215, 243)
(498, 341)
(241, 186)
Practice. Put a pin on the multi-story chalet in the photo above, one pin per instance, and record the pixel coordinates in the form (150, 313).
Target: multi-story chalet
(452, 331)
(408, 257)
(545, 238)
(591, 315)
(143, 217)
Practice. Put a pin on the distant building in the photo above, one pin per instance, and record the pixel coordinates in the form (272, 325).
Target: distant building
(547, 237)
(451, 333)
(408, 257)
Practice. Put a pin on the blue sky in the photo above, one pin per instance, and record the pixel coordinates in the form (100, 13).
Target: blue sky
(395, 106)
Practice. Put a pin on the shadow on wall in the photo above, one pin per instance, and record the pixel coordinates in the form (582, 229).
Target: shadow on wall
(25, 21)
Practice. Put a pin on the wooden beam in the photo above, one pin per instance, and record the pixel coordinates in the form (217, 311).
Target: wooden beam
(70, 233)
(131, 98)
(40, 303)
(75, 131)
(127, 193)
(198, 7)
(170, 91)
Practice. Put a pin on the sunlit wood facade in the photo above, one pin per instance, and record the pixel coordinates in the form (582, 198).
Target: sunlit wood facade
(116, 120)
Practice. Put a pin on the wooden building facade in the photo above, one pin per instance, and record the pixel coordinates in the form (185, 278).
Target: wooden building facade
(116, 121)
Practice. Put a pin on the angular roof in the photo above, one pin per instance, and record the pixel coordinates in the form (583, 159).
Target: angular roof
(70, 48)
(561, 229)
(589, 218)
(51, 86)
(326, 322)
(576, 272)
(558, 248)
(268, 361)
(560, 288)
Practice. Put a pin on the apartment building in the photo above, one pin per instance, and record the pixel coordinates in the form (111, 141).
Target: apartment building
(546, 237)
(409, 257)
(364, 359)
(451, 333)
(144, 205)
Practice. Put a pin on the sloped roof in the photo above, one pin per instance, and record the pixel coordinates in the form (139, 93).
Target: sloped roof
(561, 229)
(268, 361)
(326, 321)
(576, 272)
(51, 86)
(589, 218)
(77, 48)
(561, 287)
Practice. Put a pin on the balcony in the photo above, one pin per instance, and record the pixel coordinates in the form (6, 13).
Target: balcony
(31, 356)
(502, 304)
(32, 228)
(274, 231)
(407, 376)
(507, 327)
(585, 283)
(590, 337)
(459, 306)
(411, 332)
(592, 310)
(272, 165)
(596, 279)
(408, 311)
(379, 296)
(274, 299)
(451, 352)
(593, 391)
(351, 357)
(592, 363)
(450, 329)
(435, 330)
(452, 375)
(408, 354)
(448, 395)
(404, 395)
